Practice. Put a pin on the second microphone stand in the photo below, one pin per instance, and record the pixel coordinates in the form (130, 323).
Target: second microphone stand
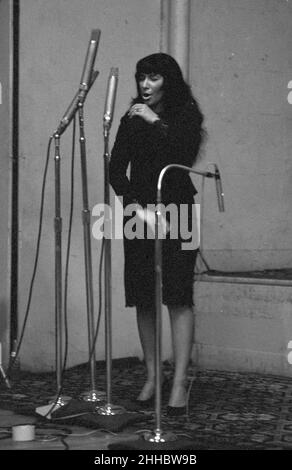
(109, 415)
(93, 395)
(108, 409)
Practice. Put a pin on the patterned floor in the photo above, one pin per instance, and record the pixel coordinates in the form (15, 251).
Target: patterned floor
(227, 410)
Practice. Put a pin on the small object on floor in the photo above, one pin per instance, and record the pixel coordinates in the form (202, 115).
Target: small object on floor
(47, 410)
(23, 432)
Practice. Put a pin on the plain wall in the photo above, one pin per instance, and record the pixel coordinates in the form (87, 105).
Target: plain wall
(240, 69)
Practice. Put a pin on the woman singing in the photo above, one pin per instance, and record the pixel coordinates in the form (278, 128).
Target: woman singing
(162, 126)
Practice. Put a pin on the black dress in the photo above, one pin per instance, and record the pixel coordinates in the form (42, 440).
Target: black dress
(148, 148)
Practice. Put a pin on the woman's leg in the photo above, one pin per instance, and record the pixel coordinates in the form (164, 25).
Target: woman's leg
(146, 329)
(182, 329)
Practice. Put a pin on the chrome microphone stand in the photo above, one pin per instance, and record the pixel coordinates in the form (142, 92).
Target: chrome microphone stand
(58, 271)
(157, 435)
(113, 415)
(92, 395)
(75, 105)
(108, 409)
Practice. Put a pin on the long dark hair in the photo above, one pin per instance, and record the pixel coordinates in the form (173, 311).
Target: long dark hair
(177, 92)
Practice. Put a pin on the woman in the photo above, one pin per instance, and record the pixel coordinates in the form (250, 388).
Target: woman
(162, 126)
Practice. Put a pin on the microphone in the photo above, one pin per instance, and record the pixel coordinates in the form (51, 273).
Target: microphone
(89, 64)
(110, 98)
(72, 108)
(219, 190)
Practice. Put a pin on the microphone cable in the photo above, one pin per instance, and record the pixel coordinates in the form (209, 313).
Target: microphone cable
(41, 212)
(68, 250)
(35, 265)
(101, 259)
(72, 187)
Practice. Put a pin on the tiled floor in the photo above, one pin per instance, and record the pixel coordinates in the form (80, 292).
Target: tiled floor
(227, 411)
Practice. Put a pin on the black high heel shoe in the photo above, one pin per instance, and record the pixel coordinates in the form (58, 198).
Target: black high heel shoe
(150, 402)
(146, 404)
(174, 411)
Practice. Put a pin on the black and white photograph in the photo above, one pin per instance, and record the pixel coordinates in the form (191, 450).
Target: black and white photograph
(146, 231)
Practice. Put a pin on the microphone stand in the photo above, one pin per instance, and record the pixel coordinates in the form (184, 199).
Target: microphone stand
(58, 400)
(158, 436)
(76, 104)
(108, 409)
(93, 395)
(158, 439)
(58, 272)
(87, 79)
(109, 416)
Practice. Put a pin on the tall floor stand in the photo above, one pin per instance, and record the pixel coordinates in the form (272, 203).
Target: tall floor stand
(108, 410)
(158, 436)
(58, 273)
(92, 395)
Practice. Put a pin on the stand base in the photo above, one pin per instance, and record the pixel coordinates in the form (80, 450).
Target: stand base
(74, 408)
(109, 422)
(110, 410)
(144, 444)
(59, 400)
(85, 414)
(159, 437)
(93, 396)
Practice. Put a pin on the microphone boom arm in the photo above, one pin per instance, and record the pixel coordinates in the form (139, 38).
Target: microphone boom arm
(73, 108)
(206, 174)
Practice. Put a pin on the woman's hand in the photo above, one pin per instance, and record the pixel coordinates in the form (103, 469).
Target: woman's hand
(148, 216)
(143, 111)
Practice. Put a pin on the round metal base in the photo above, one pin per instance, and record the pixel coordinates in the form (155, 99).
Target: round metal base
(159, 436)
(93, 396)
(110, 410)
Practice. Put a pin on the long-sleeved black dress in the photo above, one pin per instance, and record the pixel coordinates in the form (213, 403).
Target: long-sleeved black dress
(148, 148)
